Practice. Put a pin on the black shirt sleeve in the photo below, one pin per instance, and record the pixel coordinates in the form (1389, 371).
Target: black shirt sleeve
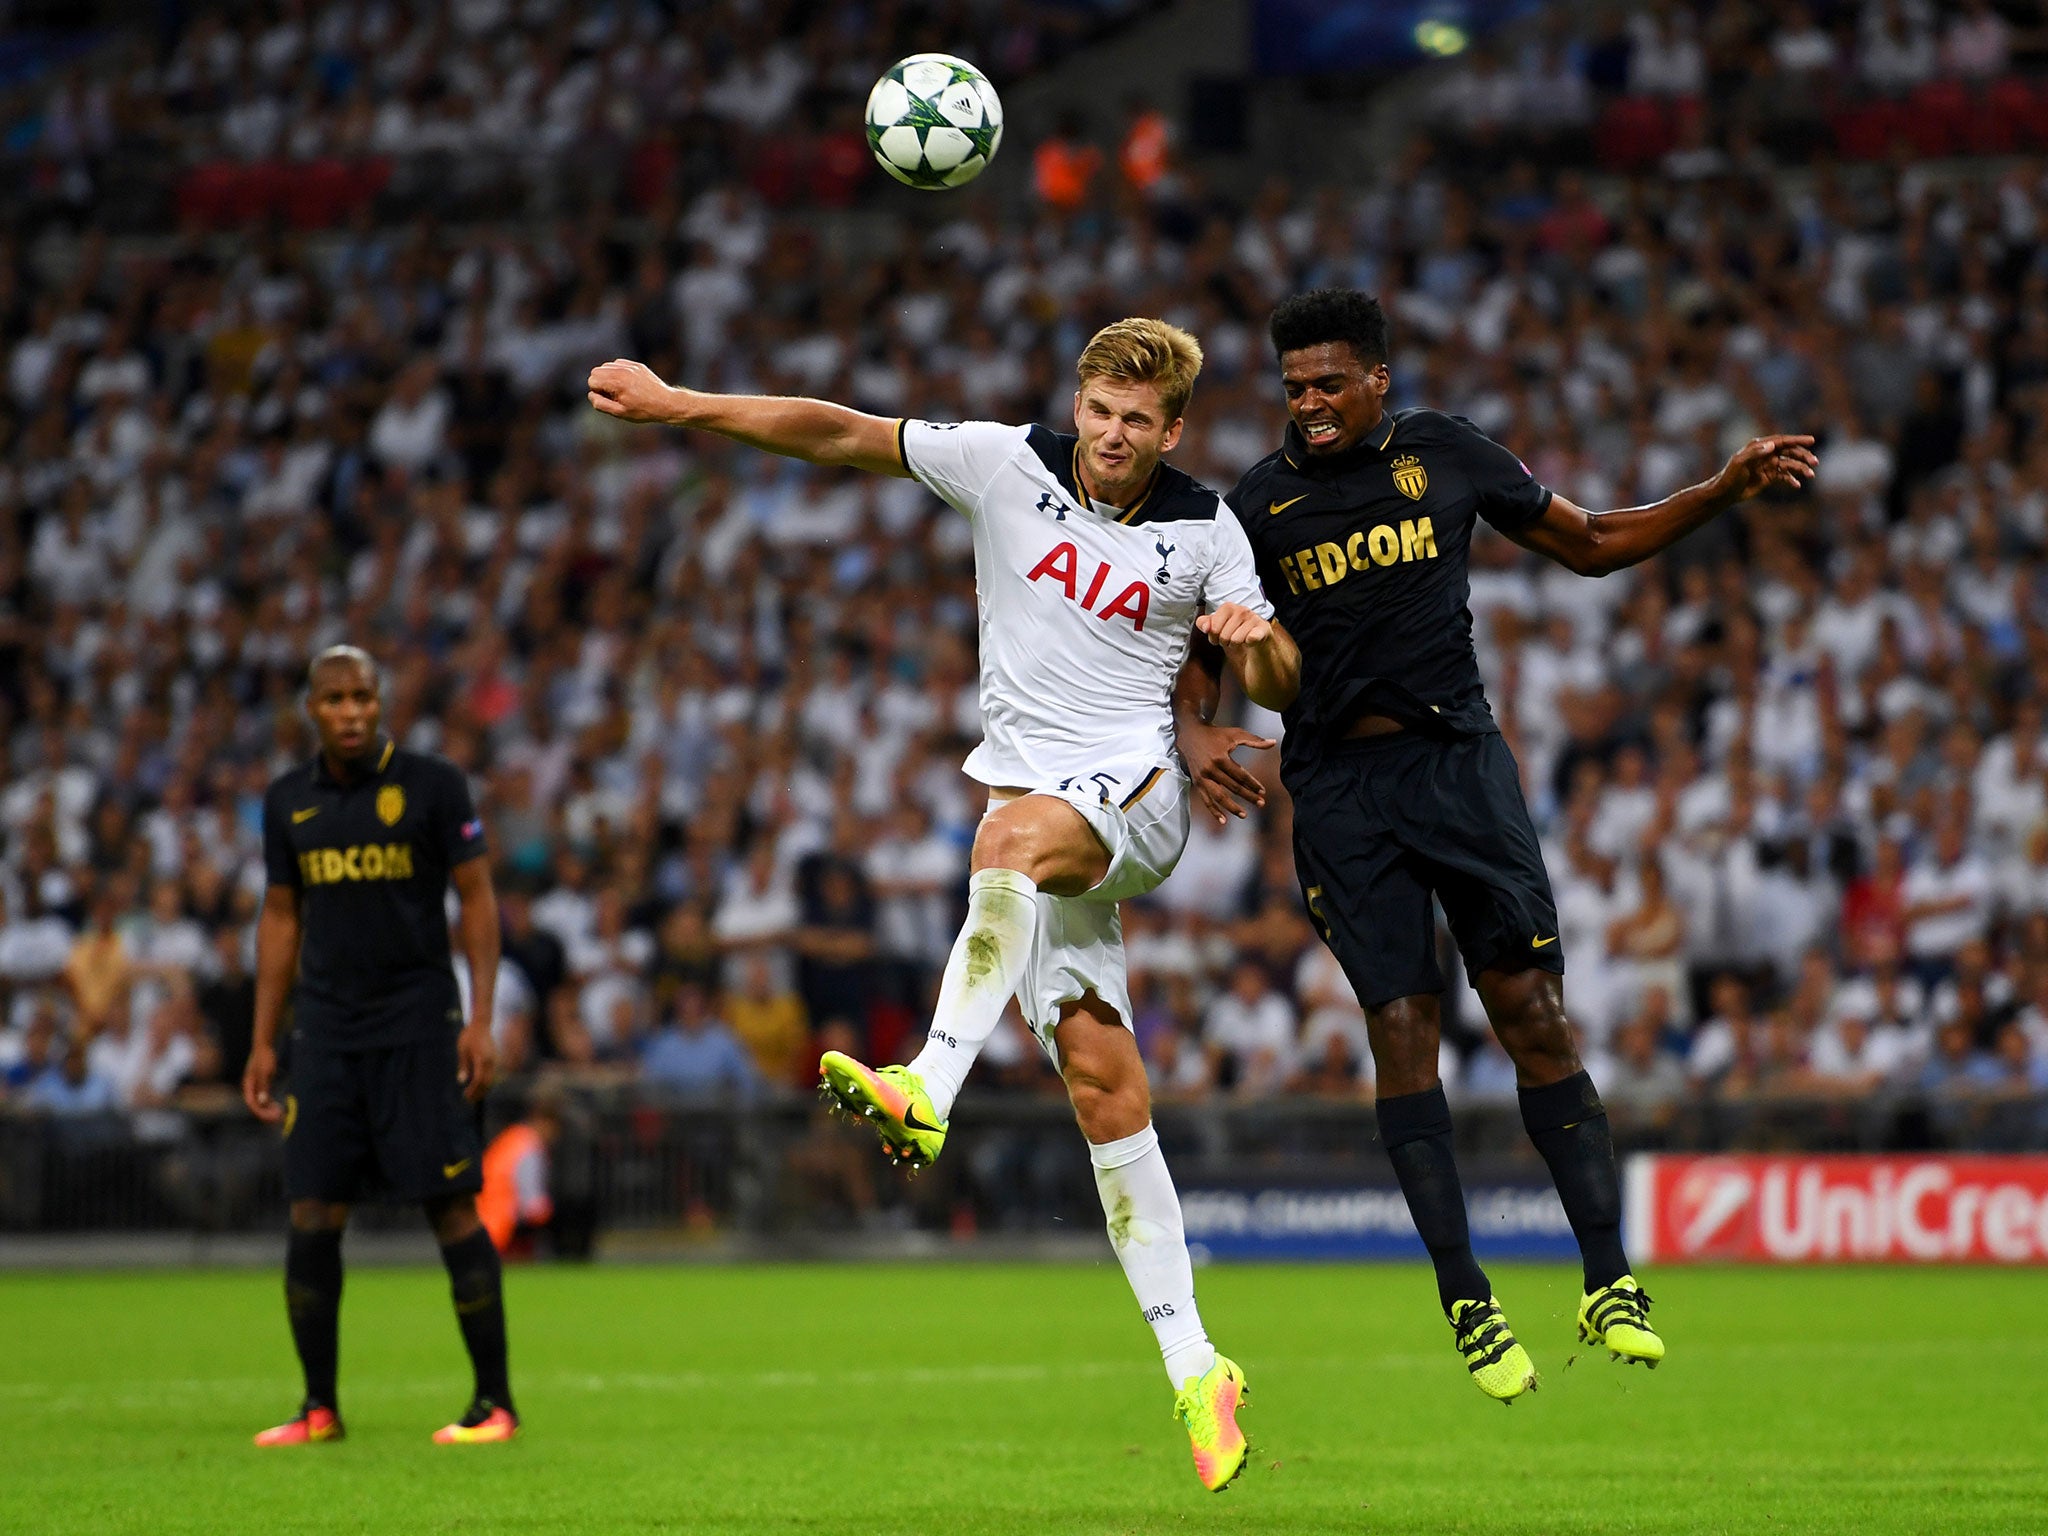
(280, 863)
(457, 826)
(1509, 497)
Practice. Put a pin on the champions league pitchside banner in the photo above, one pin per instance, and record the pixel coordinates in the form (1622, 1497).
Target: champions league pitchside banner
(1351, 1221)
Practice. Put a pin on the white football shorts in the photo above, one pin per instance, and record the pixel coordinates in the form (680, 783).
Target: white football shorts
(1141, 816)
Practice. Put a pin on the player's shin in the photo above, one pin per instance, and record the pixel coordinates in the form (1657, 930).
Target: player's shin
(1416, 1131)
(1145, 1229)
(476, 1281)
(312, 1297)
(1568, 1125)
(981, 976)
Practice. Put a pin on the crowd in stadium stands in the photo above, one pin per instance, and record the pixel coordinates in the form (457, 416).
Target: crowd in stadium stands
(1793, 776)
(311, 112)
(1691, 89)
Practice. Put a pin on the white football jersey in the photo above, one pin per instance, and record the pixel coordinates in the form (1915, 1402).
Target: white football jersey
(1086, 609)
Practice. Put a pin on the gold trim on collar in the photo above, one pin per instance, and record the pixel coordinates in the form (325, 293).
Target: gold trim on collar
(385, 761)
(1158, 473)
(1391, 425)
(1088, 497)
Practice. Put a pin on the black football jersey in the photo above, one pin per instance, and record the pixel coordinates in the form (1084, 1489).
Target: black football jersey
(1364, 556)
(370, 860)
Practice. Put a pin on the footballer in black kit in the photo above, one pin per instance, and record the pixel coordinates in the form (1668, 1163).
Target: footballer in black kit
(384, 1077)
(1404, 790)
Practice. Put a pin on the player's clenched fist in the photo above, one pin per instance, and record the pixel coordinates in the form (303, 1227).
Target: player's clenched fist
(1235, 624)
(631, 391)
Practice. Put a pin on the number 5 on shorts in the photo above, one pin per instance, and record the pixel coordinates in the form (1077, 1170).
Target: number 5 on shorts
(1314, 893)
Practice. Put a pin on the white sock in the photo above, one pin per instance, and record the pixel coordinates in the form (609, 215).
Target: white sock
(1145, 1229)
(981, 977)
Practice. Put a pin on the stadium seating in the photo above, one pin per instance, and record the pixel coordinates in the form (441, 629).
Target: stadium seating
(267, 390)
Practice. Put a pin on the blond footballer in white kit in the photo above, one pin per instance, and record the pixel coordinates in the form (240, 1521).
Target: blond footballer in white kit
(1094, 564)
(1086, 613)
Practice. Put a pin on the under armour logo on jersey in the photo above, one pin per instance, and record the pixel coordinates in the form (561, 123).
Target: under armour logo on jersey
(1047, 501)
(1164, 549)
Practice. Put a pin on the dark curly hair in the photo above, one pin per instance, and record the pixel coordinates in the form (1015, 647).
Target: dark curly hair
(1332, 314)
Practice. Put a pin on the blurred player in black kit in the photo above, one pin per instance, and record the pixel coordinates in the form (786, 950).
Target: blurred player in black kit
(359, 847)
(1403, 789)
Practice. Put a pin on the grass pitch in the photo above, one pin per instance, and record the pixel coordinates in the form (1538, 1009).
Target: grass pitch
(942, 1399)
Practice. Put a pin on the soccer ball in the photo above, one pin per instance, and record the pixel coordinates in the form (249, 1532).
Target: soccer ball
(934, 121)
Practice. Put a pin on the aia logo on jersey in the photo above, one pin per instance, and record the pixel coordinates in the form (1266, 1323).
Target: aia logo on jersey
(1062, 564)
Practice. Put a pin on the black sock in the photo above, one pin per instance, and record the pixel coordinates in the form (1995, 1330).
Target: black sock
(1416, 1130)
(1569, 1126)
(477, 1282)
(312, 1299)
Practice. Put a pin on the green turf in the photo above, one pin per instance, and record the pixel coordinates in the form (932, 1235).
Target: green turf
(973, 1399)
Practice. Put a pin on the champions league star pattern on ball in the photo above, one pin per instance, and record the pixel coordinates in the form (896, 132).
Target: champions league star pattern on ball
(934, 121)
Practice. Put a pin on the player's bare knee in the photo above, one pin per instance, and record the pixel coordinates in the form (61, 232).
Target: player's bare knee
(1044, 840)
(1405, 1036)
(1527, 1014)
(318, 1216)
(1109, 1093)
(1109, 1111)
(1012, 842)
(1541, 1049)
(453, 1218)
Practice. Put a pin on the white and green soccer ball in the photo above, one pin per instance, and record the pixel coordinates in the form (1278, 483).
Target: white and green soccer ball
(934, 121)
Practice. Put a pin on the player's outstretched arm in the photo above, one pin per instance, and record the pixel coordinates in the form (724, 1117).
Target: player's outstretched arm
(277, 957)
(1600, 543)
(816, 431)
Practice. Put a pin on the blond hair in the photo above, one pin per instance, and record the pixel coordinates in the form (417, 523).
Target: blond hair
(1142, 351)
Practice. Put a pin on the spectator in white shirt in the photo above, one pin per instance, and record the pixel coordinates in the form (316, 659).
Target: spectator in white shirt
(1978, 43)
(757, 913)
(1332, 1018)
(1175, 1063)
(1947, 900)
(1213, 869)
(1801, 46)
(1727, 1035)
(32, 948)
(409, 432)
(1897, 49)
(1853, 1055)
(1666, 59)
(1642, 1079)
(512, 1010)
(166, 939)
(915, 873)
(1249, 1034)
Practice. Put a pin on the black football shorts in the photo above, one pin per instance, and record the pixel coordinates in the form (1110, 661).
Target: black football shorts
(1383, 823)
(386, 1122)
